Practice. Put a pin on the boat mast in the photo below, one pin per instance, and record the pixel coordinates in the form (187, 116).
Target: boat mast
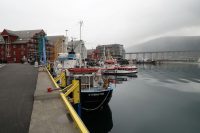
(104, 53)
(80, 47)
(81, 23)
(66, 43)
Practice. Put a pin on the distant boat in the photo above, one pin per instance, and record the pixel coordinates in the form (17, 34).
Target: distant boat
(120, 70)
(111, 67)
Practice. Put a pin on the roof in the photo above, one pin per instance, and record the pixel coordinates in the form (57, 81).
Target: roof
(53, 39)
(23, 35)
(10, 32)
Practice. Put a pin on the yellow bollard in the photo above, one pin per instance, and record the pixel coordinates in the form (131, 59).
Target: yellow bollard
(76, 92)
(48, 66)
(63, 79)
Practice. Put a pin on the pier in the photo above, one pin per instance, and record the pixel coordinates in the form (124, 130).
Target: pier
(27, 106)
(49, 114)
(186, 56)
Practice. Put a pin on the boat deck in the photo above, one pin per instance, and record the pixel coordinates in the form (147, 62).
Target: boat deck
(95, 89)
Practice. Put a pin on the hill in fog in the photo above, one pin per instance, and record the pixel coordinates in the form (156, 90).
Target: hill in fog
(175, 43)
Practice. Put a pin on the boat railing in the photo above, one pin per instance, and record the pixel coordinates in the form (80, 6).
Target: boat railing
(73, 113)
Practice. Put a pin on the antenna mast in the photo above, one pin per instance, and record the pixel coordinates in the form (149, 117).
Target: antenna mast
(81, 23)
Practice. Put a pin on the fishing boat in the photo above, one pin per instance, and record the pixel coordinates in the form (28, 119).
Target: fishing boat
(111, 67)
(96, 91)
(120, 70)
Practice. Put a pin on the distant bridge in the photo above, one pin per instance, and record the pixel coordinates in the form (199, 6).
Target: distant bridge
(189, 55)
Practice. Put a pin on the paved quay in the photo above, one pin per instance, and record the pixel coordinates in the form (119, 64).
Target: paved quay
(2, 65)
(17, 86)
(49, 114)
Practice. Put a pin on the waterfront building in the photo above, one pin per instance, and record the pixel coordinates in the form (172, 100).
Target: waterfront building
(16, 46)
(79, 47)
(59, 45)
(115, 50)
(93, 54)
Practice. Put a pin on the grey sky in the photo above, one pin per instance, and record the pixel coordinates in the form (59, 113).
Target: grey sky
(105, 21)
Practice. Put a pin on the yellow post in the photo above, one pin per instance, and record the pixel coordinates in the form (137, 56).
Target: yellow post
(63, 79)
(48, 66)
(76, 92)
(76, 118)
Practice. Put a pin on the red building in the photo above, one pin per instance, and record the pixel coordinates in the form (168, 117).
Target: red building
(93, 54)
(18, 45)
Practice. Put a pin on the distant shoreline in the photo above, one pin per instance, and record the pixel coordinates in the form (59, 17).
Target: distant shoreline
(181, 62)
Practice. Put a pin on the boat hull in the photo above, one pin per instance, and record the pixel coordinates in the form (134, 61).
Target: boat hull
(120, 73)
(94, 100)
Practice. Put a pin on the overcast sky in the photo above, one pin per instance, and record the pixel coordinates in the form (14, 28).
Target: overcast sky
(126, 22)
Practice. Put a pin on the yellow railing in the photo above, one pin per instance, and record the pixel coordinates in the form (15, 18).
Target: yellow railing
(74, 115)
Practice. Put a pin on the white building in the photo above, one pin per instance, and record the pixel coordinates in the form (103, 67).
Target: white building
(79, 47)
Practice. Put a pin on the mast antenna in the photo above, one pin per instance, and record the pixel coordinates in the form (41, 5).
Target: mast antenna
(81, 23)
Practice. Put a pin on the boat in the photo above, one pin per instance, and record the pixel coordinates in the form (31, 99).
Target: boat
(111, 67)
(120, 70)
(96, 91)
(93, 120)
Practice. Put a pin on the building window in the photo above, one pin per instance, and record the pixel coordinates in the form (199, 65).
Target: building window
(14, 59)
(8, 54)
(7, 41)
(14, 46)
(7, 46)
(14, 53)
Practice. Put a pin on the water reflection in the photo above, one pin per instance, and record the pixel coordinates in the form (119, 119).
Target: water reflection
(177, 72)
(179, 76)
(99, 121)
(162, 99)
(119, 79)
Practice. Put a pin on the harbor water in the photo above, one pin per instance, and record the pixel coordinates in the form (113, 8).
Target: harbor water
(161, 99)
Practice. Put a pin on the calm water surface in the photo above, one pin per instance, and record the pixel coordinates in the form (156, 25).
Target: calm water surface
(162, 99)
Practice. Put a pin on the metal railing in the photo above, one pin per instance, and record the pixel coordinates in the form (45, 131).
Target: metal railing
(73, 113)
